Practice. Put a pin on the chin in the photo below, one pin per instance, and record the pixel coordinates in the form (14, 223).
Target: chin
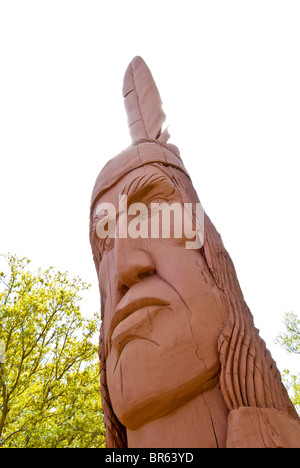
(139, 397)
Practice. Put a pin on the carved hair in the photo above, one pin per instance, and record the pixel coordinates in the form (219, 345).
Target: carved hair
(116, 436)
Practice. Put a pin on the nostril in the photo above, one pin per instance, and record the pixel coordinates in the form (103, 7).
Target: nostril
(123, 289)
(134, 268)
(144, 275)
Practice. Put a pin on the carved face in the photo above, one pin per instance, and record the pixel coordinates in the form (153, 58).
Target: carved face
(162, 311)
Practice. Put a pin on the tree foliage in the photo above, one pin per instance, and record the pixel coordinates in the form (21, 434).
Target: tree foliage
(290, 341)
(49, 378)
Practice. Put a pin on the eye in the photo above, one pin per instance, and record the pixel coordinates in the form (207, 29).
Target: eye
(157, 202)
(107, 244)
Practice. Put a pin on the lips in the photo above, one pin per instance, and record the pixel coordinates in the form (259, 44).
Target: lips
(126, 308)
(134, 316)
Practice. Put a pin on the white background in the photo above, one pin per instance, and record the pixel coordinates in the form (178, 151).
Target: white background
(228, 73)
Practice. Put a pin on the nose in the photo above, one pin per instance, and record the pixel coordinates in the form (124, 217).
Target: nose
(133, 262)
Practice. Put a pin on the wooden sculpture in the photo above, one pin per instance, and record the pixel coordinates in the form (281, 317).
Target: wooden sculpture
(181, 362)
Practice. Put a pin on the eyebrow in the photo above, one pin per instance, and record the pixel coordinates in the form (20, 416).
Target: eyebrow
(142, 185)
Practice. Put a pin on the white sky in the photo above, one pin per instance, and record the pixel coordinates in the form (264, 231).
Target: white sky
(228, 73)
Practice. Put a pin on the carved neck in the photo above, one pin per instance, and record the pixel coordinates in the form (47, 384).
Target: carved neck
(202, 423)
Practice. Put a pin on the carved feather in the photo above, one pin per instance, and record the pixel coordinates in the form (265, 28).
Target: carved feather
(143, 103)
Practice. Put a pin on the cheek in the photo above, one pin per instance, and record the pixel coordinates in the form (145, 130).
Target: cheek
(174, 265)
(186, 271)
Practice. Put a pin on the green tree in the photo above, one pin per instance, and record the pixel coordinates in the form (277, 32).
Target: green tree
(290, 341)
(49, 378)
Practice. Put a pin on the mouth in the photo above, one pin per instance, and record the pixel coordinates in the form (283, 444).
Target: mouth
(125, 309)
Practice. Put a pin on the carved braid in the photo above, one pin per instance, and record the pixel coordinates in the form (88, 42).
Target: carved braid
(249, 376)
